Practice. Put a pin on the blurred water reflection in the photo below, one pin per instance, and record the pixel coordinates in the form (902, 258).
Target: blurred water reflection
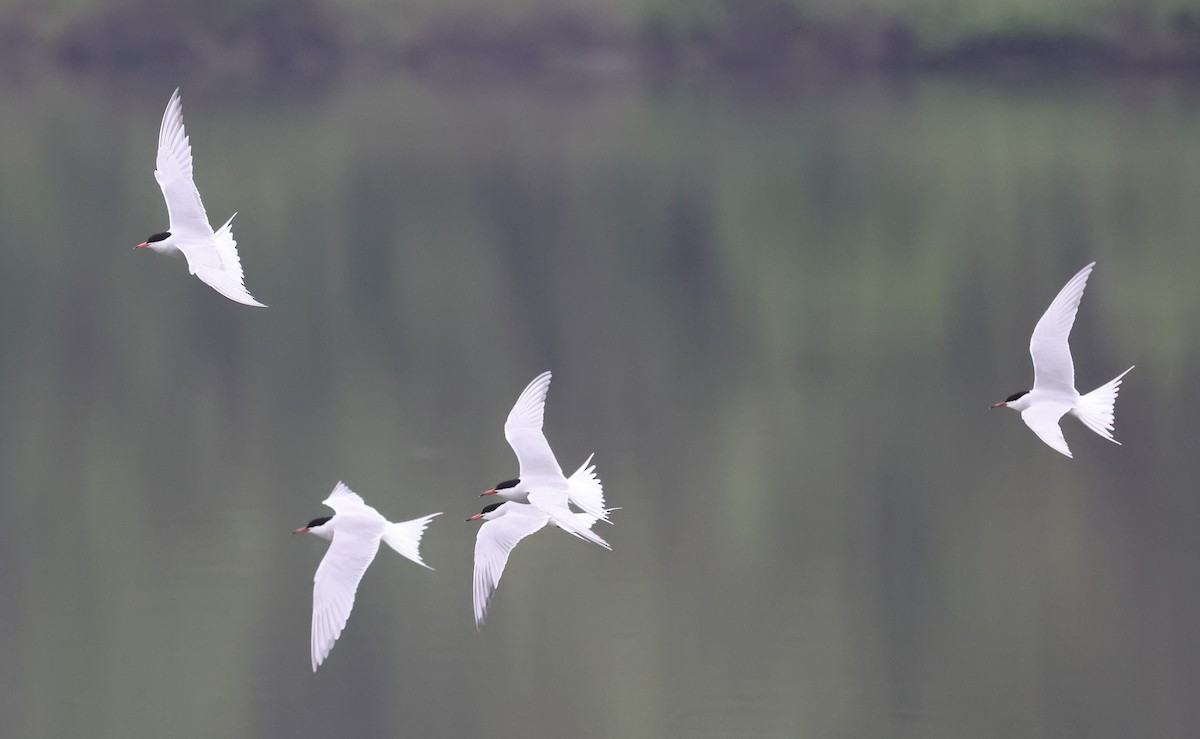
(777, 321)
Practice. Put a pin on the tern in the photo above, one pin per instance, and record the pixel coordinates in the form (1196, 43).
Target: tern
(584, 489)
(354, 531)
(210, 256)
(1054, 394)
(505, 524)
(539, 470)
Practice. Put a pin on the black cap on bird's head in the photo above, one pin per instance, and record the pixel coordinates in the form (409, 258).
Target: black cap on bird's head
(486, 510)
(503, 486)
(313, 524)
(160, 236)
(1011, 398)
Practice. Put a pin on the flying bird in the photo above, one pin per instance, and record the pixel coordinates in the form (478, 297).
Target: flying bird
(212, 257)
(541, 495)
(354, 530)
(584, 489)
(505, 524)
(1054, 394)
(539, 471)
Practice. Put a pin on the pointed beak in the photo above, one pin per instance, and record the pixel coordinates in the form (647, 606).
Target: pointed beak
(142, 245)
(999, 405)
(303, 530)
(490, 492)
(476, 516)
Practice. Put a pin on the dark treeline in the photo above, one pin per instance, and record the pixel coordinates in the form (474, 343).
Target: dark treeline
(773, 37)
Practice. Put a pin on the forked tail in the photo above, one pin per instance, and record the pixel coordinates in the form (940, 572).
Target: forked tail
(578, 524)
(227, 249)
(585, 490)
(405, 537)
(223, 269)
(587, 520)
(1096, 408)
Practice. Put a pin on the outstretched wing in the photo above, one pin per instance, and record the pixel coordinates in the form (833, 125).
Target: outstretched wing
(1043, 419)
(335, 584)
(495, 539)
(523, 429)
(345, 500)
(173, 170)
(1053, 368)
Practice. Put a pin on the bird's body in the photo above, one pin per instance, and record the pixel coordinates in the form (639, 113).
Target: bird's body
(583, 488)
(211, 255)
(354, 531)
(1054, 394)
(540, 496)
(541, 480)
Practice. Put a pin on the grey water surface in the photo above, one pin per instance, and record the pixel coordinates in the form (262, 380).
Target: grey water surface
(777, 317)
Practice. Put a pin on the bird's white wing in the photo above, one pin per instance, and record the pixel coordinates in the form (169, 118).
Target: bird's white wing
(495, 539)
(523, 429)
(336, 582)
(226, 278)
(584, 490)
(343, 500)
(1043, 419)
(1053, 368)
(173, 170)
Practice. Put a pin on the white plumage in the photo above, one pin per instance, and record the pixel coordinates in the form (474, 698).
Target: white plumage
(540, 496)
(540, 474)
(211, 256)
(1054, 394)
(354, 531)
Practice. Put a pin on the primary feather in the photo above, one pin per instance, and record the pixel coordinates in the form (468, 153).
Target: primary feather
(1053, 368)
(523, 430)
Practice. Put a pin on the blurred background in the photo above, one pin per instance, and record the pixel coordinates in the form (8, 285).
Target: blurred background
(781, 257)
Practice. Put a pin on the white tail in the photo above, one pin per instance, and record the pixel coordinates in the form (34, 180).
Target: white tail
(587, 520)
(577, 524)
(584, 490)
(221, 269)
(405, 537)
(227, 248)
(1095, 409)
